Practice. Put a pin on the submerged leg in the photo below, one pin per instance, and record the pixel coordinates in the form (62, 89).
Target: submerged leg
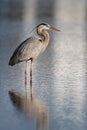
(26, 77)
(31, 77)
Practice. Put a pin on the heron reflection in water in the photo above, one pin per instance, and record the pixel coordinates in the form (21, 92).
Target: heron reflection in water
(32, 47)
(32, 108)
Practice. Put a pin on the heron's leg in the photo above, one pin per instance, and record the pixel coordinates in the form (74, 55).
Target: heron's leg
(26, 77)
(31, 77)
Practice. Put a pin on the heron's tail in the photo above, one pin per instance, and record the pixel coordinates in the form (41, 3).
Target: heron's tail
(13, 61)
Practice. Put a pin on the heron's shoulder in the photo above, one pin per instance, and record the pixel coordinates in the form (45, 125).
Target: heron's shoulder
(32, 39)
(35, 38)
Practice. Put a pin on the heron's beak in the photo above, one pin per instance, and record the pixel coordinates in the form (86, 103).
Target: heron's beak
(55, 29)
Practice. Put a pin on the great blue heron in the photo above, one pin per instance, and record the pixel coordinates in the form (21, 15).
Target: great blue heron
(32, 47)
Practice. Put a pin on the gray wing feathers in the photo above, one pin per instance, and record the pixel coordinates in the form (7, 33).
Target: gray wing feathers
(31, 47)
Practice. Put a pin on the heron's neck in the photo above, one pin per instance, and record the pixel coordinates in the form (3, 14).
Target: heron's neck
(45, 36)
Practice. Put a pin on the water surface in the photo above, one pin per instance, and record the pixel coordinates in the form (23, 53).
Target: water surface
(59, 99)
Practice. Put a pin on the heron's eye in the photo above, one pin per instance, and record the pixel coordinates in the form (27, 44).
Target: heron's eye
(40, 40)
(48, 25)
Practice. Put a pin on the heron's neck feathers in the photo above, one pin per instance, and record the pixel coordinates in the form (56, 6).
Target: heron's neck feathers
(45, 36)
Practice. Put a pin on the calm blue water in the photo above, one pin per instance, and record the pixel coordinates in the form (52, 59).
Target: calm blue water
(59, 100)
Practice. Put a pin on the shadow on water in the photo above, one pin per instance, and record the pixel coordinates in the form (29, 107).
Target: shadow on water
(45, 9)
(85, 23)
(32, 108)
(13, 10)
(85, 30)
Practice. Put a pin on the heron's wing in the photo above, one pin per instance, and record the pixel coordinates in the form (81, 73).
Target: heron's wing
(31, 47)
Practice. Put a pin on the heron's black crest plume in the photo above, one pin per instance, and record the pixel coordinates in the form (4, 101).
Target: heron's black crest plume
(45, 24)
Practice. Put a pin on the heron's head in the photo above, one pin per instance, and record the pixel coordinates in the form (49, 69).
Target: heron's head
(45, 26)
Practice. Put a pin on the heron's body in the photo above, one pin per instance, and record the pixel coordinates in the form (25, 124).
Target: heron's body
(32, 47)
